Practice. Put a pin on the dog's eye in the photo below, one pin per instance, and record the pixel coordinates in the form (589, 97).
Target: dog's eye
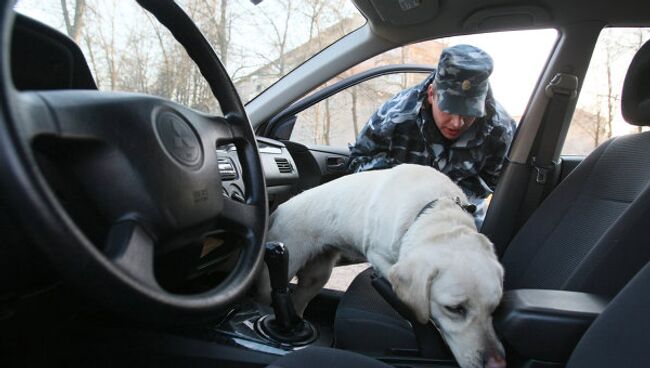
(456, 309)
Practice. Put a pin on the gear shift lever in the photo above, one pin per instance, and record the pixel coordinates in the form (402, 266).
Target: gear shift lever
(285, 326)
(277, 261)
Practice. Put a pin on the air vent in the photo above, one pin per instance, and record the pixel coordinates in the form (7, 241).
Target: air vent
(226, 169)
(283, 165)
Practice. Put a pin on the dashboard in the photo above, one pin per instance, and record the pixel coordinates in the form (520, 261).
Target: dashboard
(280, 170)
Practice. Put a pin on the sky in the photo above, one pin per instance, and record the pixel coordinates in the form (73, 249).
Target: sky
(518, 60)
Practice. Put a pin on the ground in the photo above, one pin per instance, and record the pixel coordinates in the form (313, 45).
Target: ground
(343, 276)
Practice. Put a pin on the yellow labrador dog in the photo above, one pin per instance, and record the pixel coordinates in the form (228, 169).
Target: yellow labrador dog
(410, 223)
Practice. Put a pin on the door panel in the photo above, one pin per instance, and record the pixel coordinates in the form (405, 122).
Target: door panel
(314, 166)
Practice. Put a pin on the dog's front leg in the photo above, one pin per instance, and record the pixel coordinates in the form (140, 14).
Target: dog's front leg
(312, 277)
(379, 262)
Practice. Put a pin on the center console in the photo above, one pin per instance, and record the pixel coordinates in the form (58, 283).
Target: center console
(277, 329)
(541, 328)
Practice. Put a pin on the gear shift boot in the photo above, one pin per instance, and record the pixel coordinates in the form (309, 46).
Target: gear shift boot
(284, 326)
(303, 333)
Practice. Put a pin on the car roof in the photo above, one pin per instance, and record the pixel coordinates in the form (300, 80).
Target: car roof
(401, 24)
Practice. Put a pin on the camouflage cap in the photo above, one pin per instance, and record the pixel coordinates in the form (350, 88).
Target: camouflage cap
(462, 80)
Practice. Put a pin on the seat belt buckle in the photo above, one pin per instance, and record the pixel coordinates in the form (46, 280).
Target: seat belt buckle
(542, 171)
(542, 174)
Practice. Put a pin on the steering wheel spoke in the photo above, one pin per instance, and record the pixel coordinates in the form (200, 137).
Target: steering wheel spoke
(34, 115)
(131, 249)
(237, 215)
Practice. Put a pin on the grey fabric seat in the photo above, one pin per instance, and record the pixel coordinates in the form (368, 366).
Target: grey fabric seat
(591, 234)
(317, 357)
(618, 338)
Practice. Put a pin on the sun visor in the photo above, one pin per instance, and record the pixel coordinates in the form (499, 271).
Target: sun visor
(507, 17)
(399, 12)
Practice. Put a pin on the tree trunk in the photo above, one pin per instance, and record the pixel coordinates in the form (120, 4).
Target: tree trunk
(224, 36)
(610, 97)
(328, 123)
(75, 23)
(355, 119)
(598, 129)
(315, 136)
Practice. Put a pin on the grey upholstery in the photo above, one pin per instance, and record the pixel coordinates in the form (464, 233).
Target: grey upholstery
(363, 312)
(635, 100)
(314, 357)
(619, 337)
(588, 234)
(591, 234)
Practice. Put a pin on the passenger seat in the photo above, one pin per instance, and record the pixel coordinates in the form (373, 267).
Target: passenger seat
(591, 234)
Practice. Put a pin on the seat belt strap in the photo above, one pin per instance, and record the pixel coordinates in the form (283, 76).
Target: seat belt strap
(562, 89)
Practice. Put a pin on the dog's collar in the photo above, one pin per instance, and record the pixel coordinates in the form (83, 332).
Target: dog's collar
(467, 207)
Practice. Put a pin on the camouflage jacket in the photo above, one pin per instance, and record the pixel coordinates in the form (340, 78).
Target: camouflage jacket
(402, 130)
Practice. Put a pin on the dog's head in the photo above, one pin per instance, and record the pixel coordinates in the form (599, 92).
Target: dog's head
(458, 286)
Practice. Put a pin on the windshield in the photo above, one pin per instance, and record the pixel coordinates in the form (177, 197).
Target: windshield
(128, 50)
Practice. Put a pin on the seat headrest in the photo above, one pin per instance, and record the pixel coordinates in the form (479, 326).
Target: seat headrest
(635, 100)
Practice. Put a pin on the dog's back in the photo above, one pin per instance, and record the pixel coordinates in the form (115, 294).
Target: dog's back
(357, 210)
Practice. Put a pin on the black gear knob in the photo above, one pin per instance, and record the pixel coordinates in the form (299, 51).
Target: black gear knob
(277, 260)
(285, 325)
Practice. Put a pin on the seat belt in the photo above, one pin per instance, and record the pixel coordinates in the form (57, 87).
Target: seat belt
(561, 90)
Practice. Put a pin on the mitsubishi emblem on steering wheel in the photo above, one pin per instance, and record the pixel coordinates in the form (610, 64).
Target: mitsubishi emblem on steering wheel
(179, 139)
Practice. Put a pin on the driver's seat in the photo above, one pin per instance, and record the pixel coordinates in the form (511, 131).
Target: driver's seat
(619, 337)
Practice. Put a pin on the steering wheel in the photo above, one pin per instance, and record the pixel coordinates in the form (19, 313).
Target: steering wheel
(148, 166)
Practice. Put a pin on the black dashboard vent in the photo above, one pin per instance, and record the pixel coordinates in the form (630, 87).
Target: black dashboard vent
(283, 165)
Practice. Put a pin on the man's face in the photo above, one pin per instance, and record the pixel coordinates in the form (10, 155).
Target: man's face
(451, 126)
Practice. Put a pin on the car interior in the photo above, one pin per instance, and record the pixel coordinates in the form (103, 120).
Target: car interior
(133, 226)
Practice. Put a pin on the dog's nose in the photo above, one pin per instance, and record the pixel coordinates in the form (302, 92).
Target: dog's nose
(493, 360)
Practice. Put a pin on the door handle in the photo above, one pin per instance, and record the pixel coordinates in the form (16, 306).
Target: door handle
(336, 163)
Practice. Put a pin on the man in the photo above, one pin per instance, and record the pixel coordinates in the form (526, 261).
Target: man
(449, 121)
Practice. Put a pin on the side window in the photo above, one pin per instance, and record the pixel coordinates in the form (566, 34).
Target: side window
(337, 120)
(597, 116)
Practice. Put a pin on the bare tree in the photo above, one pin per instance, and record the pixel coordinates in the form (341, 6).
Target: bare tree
(355, 101)
(593, 124)
(611, 96)
(316, 130)
(215, 20)
(74, 23)
(327, 123)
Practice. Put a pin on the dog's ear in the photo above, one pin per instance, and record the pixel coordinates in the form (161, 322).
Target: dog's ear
(411, 279)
